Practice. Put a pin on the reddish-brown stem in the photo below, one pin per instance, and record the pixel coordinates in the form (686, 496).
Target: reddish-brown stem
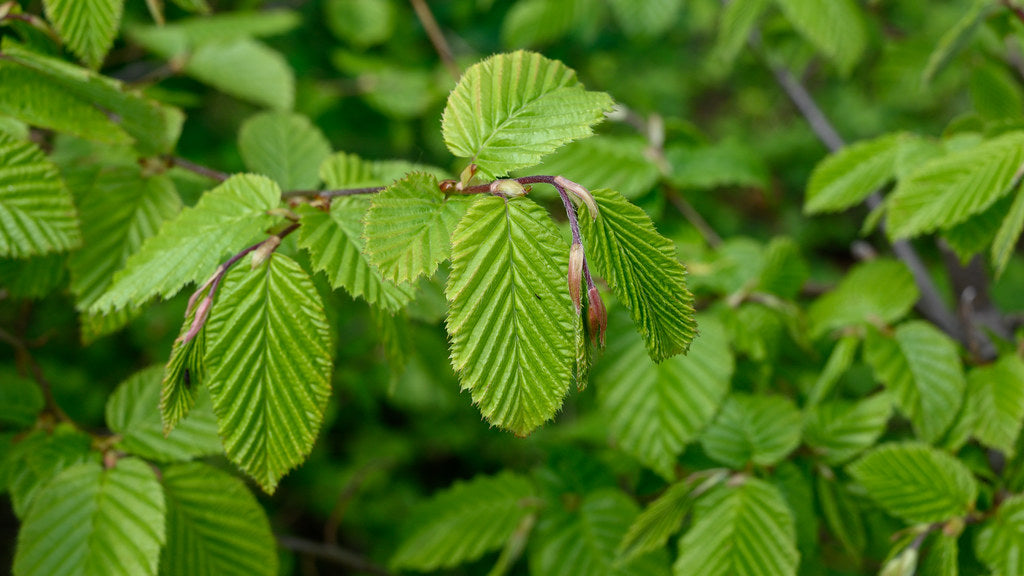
(198, 169)
(436, 37)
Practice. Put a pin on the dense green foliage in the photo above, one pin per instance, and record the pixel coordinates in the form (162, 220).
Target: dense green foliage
(540, 287)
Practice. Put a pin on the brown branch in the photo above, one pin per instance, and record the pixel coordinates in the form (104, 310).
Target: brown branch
(331, 553)
(197, 169)
(436, 37)
(693, 217)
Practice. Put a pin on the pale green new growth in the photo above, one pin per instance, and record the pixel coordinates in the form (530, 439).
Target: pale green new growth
(660, 520)
(750, 429)
(847, 177)
(998, 393)
(1000, 545)
(835, 27)
(88, 27)
(641, 267)
(510, 315)
(511, 109)
(284, 146)
(840, 430)
(916, 482)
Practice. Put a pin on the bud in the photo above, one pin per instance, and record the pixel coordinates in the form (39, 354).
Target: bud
(6, 9)
(265, 249)
(447, 186)
(575, 273)
(508, 188)
(202, 312)
(466, 176)
(597, 316)
(579, 192)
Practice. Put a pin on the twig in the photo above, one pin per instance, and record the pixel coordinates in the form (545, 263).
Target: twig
(436, 37)
(693, 217)
(327, 194)
(331, 553)
(26, 359)
(197, 169)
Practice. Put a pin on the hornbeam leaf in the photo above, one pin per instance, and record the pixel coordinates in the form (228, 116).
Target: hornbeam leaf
(36, 212)
(879, 290)
(836, 28)
(191, 246)
(956, 39)
(510, 318)
(91, 521)
(1000, 544)
(847, 177)
(285, 146)
(215, 527)
(840, 430)
(617, 162)
(736, 22)
(753, 429)
(641, 267)
(88, 27)
(997, 392)
(35, 277)
(38, 457)
(661, 519)
(646, 19)
(246, 69)
(269, 359)
(511, 109)
(184, 374)
(916, 482)
(409, 227)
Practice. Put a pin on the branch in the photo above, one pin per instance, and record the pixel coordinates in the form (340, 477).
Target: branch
(197, 169)
(436, 37)
(29, 363)
(331, 553)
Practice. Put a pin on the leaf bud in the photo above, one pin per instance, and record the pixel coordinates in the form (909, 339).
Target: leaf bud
(575, 274)
(579, 192)
(597, 316)
(447, 186)
(202, 312)
(466, 176)
(265, 249)
(508, 188)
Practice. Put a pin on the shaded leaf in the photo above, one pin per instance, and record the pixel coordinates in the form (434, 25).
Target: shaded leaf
(1000, 544)
(35, 277)
(721, 164)
(840, 430)
(361, 22)
(660, 520)
(531, 23)
(616, 162)
(21, 400)
(842, 515)
(753, 429)
(836, 28)
(646, 19)
(1008, 234)
(40, 456)
(956, 39)
(287, 147)
(998, 400)
(735, 24)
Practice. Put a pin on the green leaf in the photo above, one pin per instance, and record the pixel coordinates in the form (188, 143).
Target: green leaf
(727, 163)
(617, 162)
(582, 542)
(40, 456)
(915, 482)
(998, 396)
(921, 368)
(654, 410)
(994, 93)
(185, 35)
(287, 147)
(839, 361)
(840, 430)
(784, 271)
(942, 557)
(215, 527)
(361, 23)
(409, 227)
(199, 6)
(842, 515)
(881, 290)
(463, 522)
(511, 109)
(92, 521)
(646, 19)
(1000, 544)
(744, 530)
(956, 39)
(88, 27)
(660, 520)
(21, 400)
(530, 23)
(510, 315)
(184, 374)
(35, 277)
(190, 247)
(972, 236)
(246, 69)
(850, 175)
(753, 429)
(133, 412)
(641, 267)
(735, 24)
(269, 359)
(836, 28)
(950, 189)
(1009, 232)
(36, 212)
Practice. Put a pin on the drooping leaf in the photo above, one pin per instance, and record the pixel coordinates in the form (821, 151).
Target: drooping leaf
(35, 277)
(21, 400)
(463, 522)
(269, 361)
(510, 315)
(361, 23)
(287, 147)
(91, 521)
(744, 530)
(921, 368)
(879, 290)
(660, 520)
(758, 429)
(133, 412)
(847, 177)
(409, 227)
(654, 410)
(191, 246)
(1009, 232)
(646, 19)
(615, 162)
(88, 27)
(38, 457)
(956, 39)
(916, 482)
(836, 28)
(1000, 544)
(948, 190)
(37, 215)
(641, 267)
(215, 527)
(840, 430)
(998, 401)
(511, 109)
(735, 24)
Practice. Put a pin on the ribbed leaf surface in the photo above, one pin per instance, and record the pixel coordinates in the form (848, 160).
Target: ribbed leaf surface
(997, 392)
(510, 315)
(847, 177)
(641, 267)
(215, 527)
(88, 27)
(943, 557)
(511, 109)
(879, 290)
(190, 247)
(94, 522)
(465, 521)
(660, 520)
(286, 147)
(133, 412)
(36, 212)
(183, 376)
(654, 410)
(1000, 545)
(916, 482)
(616, 162)
(269, 359)
(921, 368)
(409, 227)
(753, 429)
(746, 530)
(836, 28)
(840, 430)
(952, 188)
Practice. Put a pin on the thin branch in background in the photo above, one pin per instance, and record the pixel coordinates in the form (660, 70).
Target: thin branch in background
(29, 364)
(331, 553)
(327, 194)
(436, 37)
(693, 217)
(197, 169)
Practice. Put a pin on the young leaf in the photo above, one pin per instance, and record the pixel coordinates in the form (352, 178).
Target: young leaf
(1000, 544)
(847, 177)
(269, 359)
(951, 189)
(921, 368)
(88, 27)
(91, 520)
(998, 398)
(660, 520)
(215, 527)
(641, 267)
(916, 482)
(744, 530)
(840, 430)
(511, 109)
(409, 227)
(617, 162)
(758, 429)
(655, 410)
(133, 413)
(1009, 232)
(510, 315)
(287, 147)
(36, 212)
(184, 374)
(191, 246)
(879, 290)
(734, 26)
(836, 28)
(465, 521)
